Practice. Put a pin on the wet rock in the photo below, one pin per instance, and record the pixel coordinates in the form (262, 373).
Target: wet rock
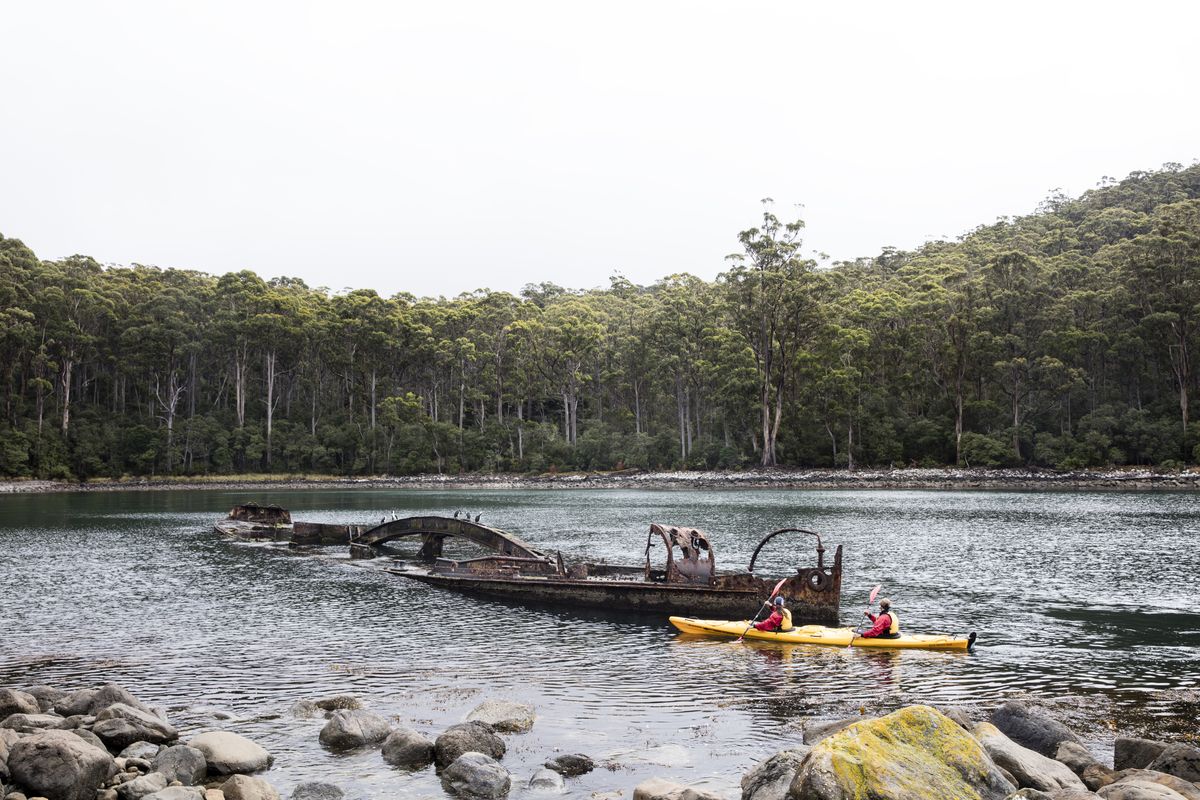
(181, 763)
(90, 738)
(341, 702)
(475, 775)
(46, 696)
(1180, 760)
(1031, 769)
(659, 789)
(120, 725)
(1032, 727)
(547, 780)
(138, 788)
(145, 750)
(816, 730)
(1133, 753)
(315, 790)
(32, 723)
(304, 709)
(571, 765)
(177, 793)
(406, 748)
(244, 787)
(913, 752)
(464, 738)
(59, 764)
(1186, 789)
(770, 779)
(229, 754)
(15, 702)
(349, 729)
(504, 715)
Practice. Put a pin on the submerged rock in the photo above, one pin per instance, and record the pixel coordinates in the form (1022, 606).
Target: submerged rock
(228, 753)
(547, 780)
(407, 748)
(464, 738)
(504, 715)
(60, 765)
(341, 702)
(475, 775)
(1032, 727)
(571, 764)
(349, 729)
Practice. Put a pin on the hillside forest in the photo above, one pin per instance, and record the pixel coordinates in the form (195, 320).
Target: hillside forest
(1063, 339)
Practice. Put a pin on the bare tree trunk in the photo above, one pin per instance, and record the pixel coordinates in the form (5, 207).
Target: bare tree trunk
(65, 381)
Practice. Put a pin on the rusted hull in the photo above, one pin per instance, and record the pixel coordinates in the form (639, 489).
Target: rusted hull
(241, 529)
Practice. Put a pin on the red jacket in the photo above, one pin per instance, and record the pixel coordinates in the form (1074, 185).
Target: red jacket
(882, 623)
(771, 623)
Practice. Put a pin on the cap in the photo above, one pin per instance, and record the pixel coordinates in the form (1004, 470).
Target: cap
(778, 600)
(885, 603)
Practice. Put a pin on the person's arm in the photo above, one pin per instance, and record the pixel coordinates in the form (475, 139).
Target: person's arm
(770, 623)
(882, 623)
(870, 616)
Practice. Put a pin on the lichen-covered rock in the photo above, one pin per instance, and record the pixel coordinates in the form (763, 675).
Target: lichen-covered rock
(407, 748)
(138, 788)
(15, 702)
(46, 696)
(475, 775)
(547, 780)
(1179, 759)
(770, 779)
(571, 765)
(816, 730)
(60, 765)
(467, 737)
(244, 787)
(230, 754)
(659, 789)
(1032, 770)
(120, 725)
(347, 729)
(1186, 789)
(315, 790)
(1031, 727)
(910, 753)
(504, 715)
(181, 763)
(1132, 753)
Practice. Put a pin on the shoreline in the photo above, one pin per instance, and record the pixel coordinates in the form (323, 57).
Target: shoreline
(951, 479)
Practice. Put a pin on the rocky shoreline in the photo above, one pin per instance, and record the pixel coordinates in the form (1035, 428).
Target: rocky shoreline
(104, 744)
(887, 478)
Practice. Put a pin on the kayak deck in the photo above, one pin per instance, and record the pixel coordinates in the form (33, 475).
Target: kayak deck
(819, 634)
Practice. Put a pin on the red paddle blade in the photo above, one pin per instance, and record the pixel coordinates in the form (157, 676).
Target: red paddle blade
(874, 594)
(779, 586)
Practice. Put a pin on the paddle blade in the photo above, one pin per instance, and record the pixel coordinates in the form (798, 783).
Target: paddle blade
(874, 594)
(778, 586)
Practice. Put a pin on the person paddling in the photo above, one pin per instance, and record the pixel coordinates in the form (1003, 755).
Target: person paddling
(780, 619)
(887, 624)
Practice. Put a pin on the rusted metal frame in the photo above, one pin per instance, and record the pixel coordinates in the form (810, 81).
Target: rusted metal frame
(773, 534)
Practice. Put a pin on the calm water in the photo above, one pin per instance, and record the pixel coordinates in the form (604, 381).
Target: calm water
(1085, 600)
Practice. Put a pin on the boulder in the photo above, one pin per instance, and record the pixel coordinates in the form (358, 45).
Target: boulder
(404, 747)
(15, 702)
(347, 729)
(547, 780)
(75, 703)
(1032, 727)
(959, 715)
(1075, 756)
(8, 737)
(467, 737)
(315, 790)
(46, 696)
(177, 793)
(120, 725)
(229, 754)
(244, 787)
(1138, 789)
(341, 702)
(1096, 775)
(304, 709)
(770, 779)
(138, 788)
(60, 765)
(181, 763)
(1186, 789)
(1027, 794)
(1031, 770)
(1179, 759)
(110, 694)
(475, 775)
(140, 750)
(89, 737)
(659, 789)
(910, 753)
(1133, 753)
(816, 730)
(504, 715)
(571, 765)
(32, 723)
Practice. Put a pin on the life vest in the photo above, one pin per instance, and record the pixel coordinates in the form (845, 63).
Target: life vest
(894, 630)
(786, 623)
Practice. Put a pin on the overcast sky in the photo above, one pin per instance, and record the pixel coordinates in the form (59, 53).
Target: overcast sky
(438, 148)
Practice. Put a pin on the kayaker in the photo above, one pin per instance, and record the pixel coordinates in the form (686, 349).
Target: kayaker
(780, 619)
(887, 624)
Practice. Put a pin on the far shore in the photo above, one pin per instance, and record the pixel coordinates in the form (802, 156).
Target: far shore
(869, 478)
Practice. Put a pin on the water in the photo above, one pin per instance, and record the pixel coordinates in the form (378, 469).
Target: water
(1084, 600)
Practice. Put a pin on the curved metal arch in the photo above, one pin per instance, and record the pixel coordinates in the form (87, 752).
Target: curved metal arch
(444, 527)
(690, 541)
(773, 534)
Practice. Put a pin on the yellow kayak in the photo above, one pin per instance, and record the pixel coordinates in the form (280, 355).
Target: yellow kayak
(819, 634)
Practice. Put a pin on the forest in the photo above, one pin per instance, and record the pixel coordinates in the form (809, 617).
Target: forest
(1062, 339)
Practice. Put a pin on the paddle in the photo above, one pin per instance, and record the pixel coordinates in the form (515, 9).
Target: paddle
(870, 602)
(774, 592)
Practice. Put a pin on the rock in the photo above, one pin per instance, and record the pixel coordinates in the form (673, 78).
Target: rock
(181, 763)
(244, 787)
(89, 737)
(405, 747)
(141, 750)
(341, 702)
(214, 794)
(1075, 756)
(32, 723)
(78, 721)
(177, 793)
(59, 764)
(571, 765)
(1032, 727)
(107, 794)
(110, 694)
(140, 764)
(547, 780)
(464, 738)
(46, 696)
(304, 709)
(349, 729)
(229, 754)
(659, 789)
(14, 796)
(315, 790)
(75, 703)
(1137, 789)
(1032, 770)
(138, 788)
(157, 730)
(8, 738)
(504, 715)
(1132, 753)
(475, 775)
(1180, 760)
(1028, 794)
(910, 753)
(15, 702)
(1095, 776)
(817, 730)
(770, 779)
(1186, 789)
(959, 715)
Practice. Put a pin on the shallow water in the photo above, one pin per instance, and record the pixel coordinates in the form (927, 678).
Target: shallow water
(1085, 600)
